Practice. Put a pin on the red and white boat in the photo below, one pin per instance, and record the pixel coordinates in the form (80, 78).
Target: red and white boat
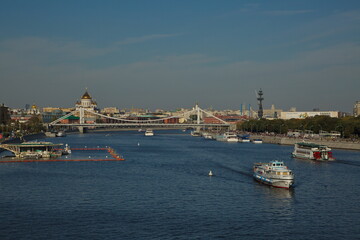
(312, 151)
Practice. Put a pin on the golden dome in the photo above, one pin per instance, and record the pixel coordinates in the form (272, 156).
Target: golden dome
(86, 95)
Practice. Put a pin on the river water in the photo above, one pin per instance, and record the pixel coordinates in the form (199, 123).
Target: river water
(162, 191)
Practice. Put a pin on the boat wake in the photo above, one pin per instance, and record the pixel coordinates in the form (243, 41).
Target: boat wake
(347, 162)
(247, 172)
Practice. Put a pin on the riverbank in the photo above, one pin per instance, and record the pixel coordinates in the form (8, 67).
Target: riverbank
(333, 143)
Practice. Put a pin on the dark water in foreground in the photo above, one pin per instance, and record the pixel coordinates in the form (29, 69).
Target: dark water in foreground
(162, 191)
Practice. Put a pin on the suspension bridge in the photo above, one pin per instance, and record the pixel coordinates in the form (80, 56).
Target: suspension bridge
(193, 118)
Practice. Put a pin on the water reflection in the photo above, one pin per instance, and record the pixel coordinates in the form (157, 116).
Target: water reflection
(278, 203)
(274, 193)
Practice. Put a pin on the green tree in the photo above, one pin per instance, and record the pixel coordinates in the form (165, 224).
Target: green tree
(348, 126)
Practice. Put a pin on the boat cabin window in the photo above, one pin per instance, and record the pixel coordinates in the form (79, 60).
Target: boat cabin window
(277, 164)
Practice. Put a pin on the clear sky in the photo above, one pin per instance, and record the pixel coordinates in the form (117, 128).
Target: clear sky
(171, 54)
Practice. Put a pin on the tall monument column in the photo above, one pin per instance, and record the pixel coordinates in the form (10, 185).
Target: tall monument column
(260, 99)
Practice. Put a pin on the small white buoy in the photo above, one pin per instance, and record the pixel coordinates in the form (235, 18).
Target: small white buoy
(210, 173)
(138, 144)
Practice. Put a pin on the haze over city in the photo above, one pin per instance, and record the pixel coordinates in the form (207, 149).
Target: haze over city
(171, 54)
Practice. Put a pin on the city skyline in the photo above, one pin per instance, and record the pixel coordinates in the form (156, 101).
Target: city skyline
(171, 54)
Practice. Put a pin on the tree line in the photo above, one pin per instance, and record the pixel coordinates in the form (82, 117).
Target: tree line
(348, 127)
(17, 129)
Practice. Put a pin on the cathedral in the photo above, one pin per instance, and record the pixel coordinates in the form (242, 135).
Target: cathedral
(87, 103)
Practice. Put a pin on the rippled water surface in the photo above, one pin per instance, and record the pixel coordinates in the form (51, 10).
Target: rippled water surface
(163, 191)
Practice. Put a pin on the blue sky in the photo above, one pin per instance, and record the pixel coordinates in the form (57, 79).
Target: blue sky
(172, 54)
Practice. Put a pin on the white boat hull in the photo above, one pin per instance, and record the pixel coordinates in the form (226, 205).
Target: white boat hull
(232, 140)
(227, 137)
(208, 137)
(149, 133)
(195, 134)
(278, 183)
(307, 157)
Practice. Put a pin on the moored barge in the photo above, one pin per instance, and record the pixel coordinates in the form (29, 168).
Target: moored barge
(34, 149)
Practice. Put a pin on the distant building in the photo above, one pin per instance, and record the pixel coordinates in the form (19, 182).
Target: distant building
(20, 117)
(50, 109)
(302, 115)
(172, 120)
(345, 114)
(70, 120)
(272, 112)
(87, 103)
(4, 114)
(137, 111)
(357, 109)
(49, 116)
(34, 110)
(24, 115)
(110, 110)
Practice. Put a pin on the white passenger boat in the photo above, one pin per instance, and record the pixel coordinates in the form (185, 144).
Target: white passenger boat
(312, 151)
(60, 134)
(207, 135)
(228, 137)
(244, 139)
(274, 173)
(149, 132)
(195, 134)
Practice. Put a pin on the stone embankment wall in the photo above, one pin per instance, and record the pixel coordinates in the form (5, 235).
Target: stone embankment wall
(336, 143)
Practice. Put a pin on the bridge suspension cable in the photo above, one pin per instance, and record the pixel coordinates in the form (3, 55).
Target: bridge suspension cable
(196, 110)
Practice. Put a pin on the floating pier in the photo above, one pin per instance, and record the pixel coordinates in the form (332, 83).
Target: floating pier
(115, 156)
